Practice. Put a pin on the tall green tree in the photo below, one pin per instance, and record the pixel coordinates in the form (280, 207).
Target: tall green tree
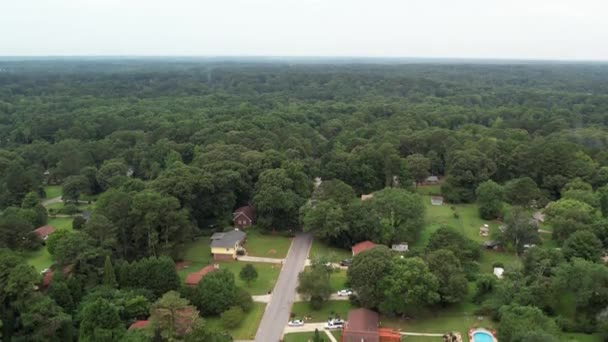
(490, 198)
(583, 244)
(215, 293)
(366, 272)
(314, 285)
(101, 322)
(453, 285)
(401, 215)
(109, 277)
(248, 273)
(519, 229)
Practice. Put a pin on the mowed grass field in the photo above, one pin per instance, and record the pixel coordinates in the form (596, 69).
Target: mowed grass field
(198, 255)
(330, 309)
(53, 191)
(248, 327)
(268, 246)
(308, 336)
(321, 249)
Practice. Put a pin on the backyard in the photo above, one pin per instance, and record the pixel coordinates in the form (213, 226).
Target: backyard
(330, 309)
(321, 249)
(248, 327)
(53, 191)
(41, 258)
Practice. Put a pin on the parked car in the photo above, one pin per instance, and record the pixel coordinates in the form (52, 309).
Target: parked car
(44, 271)
(345, 292)
(334, 324)
(346, 262)
(295, 323)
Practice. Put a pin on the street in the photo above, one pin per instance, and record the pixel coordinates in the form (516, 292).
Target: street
(277, 312)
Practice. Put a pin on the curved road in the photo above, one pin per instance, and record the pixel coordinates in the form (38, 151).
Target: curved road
(277, 312)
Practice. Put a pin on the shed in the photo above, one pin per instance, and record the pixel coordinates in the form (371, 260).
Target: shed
(400, 247)
(437, 200)
(431, 180)
(366, 197)
(362, 246)
(498, 271)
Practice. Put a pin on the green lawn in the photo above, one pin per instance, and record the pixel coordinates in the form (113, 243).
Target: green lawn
(40, 259)
(198, 254)
(249, 326)
(329, 309)
(61, 205)
(574, 337)
(61, 222)
(53, 191)
(334, 254)
(338, 280)
(264, 245)
(307, 336)
(434, 190)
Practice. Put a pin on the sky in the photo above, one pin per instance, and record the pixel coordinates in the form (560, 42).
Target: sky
(505, 29)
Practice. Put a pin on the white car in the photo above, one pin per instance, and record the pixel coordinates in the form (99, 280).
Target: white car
(345, 292)
(295, 323)
(44, 271)
(334, 324)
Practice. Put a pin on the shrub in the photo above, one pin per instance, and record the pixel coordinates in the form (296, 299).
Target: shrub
(244, 300)
(232, 317)
(78, 222)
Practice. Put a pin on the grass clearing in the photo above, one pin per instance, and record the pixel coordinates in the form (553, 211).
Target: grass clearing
(248, 327)
(333, 254)
(53, 191)
(338, 280)
(580, 337)
(330, 309)
(61, 222)
(269, 246)
(39, 259)
(308, 336)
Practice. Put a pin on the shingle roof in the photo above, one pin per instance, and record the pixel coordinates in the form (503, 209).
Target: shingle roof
(247, 210)
(44, 231)
(139, 324)
(362, 320)
(362, 246)
(227, 239)
(195, 277)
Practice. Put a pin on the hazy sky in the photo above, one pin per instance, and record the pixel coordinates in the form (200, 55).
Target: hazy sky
(536, 29)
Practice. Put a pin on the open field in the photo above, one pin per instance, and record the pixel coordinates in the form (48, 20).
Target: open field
(40, 259)
(249, 326)
(307, 336)
(329, 309)
(338, 279)
(321, 249)
(264, 245)
(61, 222)
(53, 191)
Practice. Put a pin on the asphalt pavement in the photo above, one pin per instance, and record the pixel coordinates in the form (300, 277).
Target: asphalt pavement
(277, 312)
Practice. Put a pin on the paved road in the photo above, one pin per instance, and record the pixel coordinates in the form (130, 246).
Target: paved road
(277, 312)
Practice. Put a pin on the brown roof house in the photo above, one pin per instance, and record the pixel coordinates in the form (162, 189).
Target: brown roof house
(362, 246)
(244, 216)
(362, 326)
(44, 232)
(195, 277)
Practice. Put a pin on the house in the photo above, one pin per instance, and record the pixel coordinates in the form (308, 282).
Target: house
(362, 326)
(44, 231)
(431, 180)
(140, 324)
(400, 247)
(47, 277)
(366, 197)
(244, 216)
(225, 245)
(362, 246)
(437, 200)
(194, 278)
(491, 244)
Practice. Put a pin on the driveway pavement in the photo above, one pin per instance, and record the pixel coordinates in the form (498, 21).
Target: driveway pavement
(260, 259)
(277, 312)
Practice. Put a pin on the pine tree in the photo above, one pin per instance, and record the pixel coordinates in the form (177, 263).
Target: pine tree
(109, 277)
(317, 337)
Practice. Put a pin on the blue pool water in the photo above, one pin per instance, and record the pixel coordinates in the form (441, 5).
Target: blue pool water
(482, 336)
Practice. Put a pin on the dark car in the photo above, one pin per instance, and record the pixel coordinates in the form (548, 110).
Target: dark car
(346, 262)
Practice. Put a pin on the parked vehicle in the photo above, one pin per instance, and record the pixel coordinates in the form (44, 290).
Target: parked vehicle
(346, 262)
(295, 323)
(345, 292)
(334, 324)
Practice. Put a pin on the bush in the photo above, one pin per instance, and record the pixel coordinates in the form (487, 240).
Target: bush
(78, 222)
(456, 215)
(232, 317)
(498, 264)
(69, 209)
(244, 300)
(316, 302)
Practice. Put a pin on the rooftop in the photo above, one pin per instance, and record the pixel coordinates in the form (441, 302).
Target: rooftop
(227, 239)
(246, 210)
(362, 246)
(44, 231)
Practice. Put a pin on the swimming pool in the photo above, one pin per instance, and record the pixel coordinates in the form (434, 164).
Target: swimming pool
(482, 336)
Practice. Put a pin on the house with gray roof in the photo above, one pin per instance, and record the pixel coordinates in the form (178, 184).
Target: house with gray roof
(225, 245)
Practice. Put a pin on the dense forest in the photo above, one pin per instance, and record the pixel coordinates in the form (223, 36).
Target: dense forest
(168, 149)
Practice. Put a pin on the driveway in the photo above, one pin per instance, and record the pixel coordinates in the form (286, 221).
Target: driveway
(277, 312)
(248, 258)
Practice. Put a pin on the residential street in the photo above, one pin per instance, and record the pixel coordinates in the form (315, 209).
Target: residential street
(276, 315)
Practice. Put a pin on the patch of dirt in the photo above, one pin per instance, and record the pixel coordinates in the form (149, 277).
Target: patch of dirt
(272, 252)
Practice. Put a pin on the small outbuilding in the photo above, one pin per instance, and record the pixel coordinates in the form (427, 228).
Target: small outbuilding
(430, 180)
(498, 271)
(484, 230)
(244, 216)
(366, 197)
(437, 200)
(362, 246)
(400, 247)
(225, 245)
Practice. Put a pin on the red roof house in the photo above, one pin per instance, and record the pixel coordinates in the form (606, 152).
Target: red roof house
(44, 231)
(195, 277)
(243, 217)
(47, 278)
(362, 326)
(362, 246)
(139, 324)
